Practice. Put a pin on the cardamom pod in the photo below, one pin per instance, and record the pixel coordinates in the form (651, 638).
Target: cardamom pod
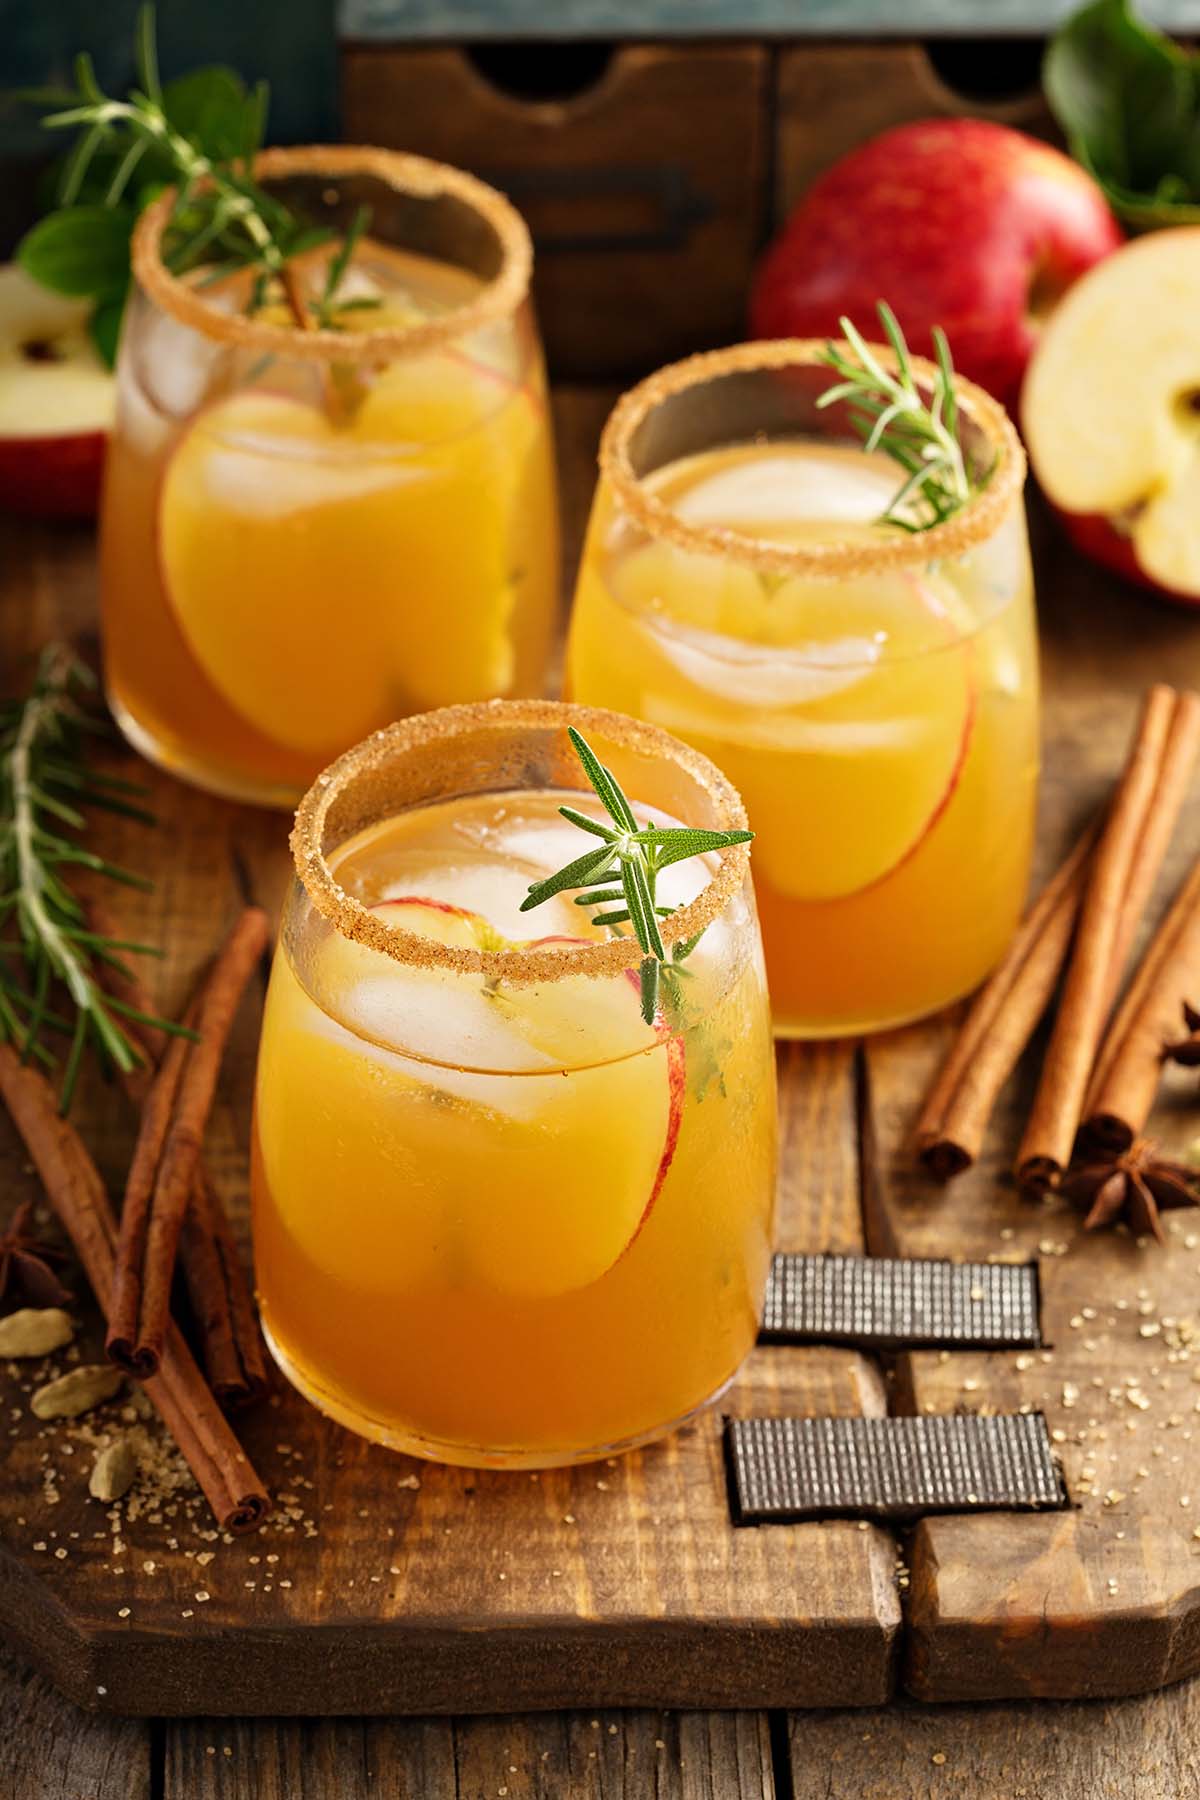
(114, 1470)
(35, 1331)
(77, 1391)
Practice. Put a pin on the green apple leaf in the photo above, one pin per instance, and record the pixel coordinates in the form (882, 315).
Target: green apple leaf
(104, 326)
(210, 107)
(80, 250)
(1128, 99)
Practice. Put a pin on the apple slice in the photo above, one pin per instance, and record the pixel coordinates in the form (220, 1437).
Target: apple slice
(322, 575)
(56, 402)
(583, 1159)
(847, 743)
(531, 1183)
(1111, 411)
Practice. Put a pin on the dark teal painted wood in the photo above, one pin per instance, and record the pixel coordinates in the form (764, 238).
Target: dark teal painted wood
(434, 20)
(292, 42)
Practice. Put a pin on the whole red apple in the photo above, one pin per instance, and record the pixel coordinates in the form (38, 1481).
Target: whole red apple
(955, 222)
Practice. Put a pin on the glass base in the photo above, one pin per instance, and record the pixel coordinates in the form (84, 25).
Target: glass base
(281, 798)
(785, 1032)
(469, 1456)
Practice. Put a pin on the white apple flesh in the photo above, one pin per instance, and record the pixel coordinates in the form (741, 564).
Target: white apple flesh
(1111, 412)
(56, 402)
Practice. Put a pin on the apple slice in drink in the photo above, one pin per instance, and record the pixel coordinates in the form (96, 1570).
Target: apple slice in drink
(1111, 412)
(580, 1158)
(844, 711)
(321, 573)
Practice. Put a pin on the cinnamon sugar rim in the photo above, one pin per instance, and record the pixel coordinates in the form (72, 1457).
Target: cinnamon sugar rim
(416, 175)
(972, 524)
(354, 920)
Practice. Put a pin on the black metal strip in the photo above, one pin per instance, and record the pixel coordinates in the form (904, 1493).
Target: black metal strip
(881, 1303)
(783, 1470)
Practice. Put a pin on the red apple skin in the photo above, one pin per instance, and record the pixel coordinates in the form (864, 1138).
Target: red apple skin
(954, 222)
(53, 477)
(1095, 536)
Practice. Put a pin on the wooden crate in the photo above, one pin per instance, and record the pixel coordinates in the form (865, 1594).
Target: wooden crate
(646, 191)
(651, 173)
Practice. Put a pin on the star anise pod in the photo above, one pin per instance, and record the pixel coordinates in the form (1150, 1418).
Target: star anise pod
(25, 1262)
(1186, 1050)
(1137, 1183)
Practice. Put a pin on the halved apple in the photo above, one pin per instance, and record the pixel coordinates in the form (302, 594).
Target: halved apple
(56, 402)
(1111, 411)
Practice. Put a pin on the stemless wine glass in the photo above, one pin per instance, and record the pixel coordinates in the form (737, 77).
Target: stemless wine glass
(500, 1220)
(393, 475)
(871, 691)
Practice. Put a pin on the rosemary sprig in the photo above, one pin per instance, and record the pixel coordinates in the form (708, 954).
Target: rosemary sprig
(619, 876)
(220, 214)
(890, 413)
(199, 134)
(43, 782)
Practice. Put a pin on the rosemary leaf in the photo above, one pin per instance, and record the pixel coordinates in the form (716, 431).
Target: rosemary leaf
(42, 741)
(891, 413)
(625, 869)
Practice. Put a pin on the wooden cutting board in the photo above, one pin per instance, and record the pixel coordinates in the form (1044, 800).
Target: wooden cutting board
(382, 1585)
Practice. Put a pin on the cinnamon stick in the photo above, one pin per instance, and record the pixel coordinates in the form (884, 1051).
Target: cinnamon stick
(179, 1393)
(123, 1344)
(1179, 762)
(1001, 1020)
(221, 1299)
(1129, 1067)
(1134, 837)
(182, 1095)
(212, 1267)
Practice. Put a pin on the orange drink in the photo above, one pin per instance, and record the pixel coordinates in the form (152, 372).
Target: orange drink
(500, 1217)
(871, 690)
(389, 469)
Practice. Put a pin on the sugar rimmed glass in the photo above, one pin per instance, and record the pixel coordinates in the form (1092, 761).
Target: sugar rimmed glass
(498, 1219)
(307, 534)
(873, 693)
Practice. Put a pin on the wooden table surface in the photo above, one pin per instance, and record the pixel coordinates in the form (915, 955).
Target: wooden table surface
(1099, 640)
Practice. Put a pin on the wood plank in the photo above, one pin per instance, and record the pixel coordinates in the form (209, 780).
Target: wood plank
(323, 1759)
(50, 1750)
(617, 1756)
(555, 1756)
(1140, 1749)
(621, 1584)
(383, 1585)
(1104, 1599)
(818, 1149)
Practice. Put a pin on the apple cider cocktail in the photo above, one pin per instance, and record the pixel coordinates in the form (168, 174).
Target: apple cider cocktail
(512, 1200)
(360, 440)
(864, 670)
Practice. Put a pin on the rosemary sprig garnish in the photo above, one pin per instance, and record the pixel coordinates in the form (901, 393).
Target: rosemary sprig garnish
(890, 413)
(43, 782)
(199, 134)
(619, 876)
